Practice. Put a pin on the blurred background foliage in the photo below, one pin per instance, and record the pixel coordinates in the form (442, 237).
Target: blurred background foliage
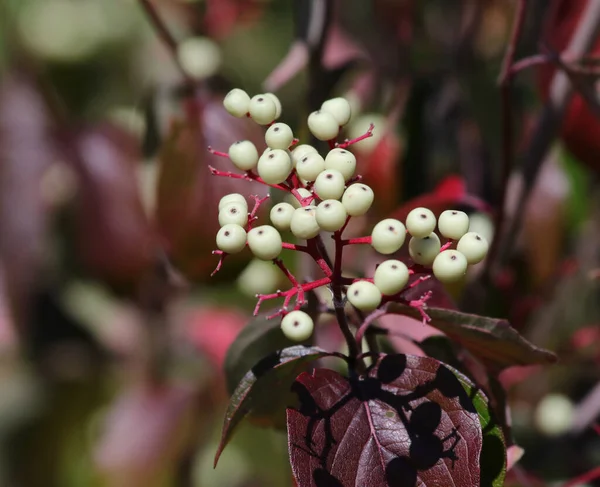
(112, 336)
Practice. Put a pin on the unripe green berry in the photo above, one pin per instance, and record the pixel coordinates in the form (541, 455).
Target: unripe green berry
(364, 295)
(388, 236)
(453, 224)
(474, 247)
(297, 326)
(277, 105)
(341, 160)
(424, 250)
(234, 213)
(279, 136)
(274, 166)
(310, 166)
(357, 199)
(243, 155)
(420, 222)
(237, 103)
(292, 200)
(304, 222)
(300, 151)
(232, 198)
(331, 215)
(391, 276)
(281, 216)
(265, 242)
(231, 238)
(323, 125)
(449, 266)
(329, 185)
(262, 109)
(339, 108)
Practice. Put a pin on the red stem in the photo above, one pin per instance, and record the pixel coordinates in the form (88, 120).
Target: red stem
(584, 478)
(366, 135)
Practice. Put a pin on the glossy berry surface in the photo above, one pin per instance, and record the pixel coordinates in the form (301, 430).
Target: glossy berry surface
(341, 160)
(474, 247)
(450, 266)
(357, 199)
(231, 238)
(420, 222)
(279, 136)
(388, 236)
(424, 250)
(237, 103)
(243, 155)
(304, 222)
(297, 326)
(329, 185)
(453, 224)
(323, 125)
(331, 215)
(391, 276)
(232, 198)
(274, 166)
(262, 109)
(364, 295)
(265, 242)
(234, 213)
(310, 166)
(281, 216)
(339, 108)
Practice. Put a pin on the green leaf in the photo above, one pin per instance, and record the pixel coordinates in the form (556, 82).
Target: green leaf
(265, 391)
(491, 340)
(493, 451)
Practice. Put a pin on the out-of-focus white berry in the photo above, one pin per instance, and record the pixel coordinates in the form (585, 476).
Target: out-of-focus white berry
(424, 250)
(341, 160)
(554, 414)
(364, 295)
(331, 215)
(231, 238)
(279, 136)
(297, 326)
(388, 236)
(420, 222)
(200, 57)
(232, 198)
(262, 109)
(339, 108)
(310, 166)
(292, 200)
(329, 185)
(234, 213)
(473, 246)
(357, 199)
(482, 224)
(300, 151)
(281, 216)
(259, 277)
(237, 103)
(277, 105)
(304, 222)
(274, 166)
(449, 266)
(265, 242)
(360, 125)
(453, 224)
(323, 125)
(391, 276)
(243, 155)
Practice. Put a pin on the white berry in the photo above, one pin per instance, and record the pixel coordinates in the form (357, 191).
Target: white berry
(304, 222)
(310, 166)
(237, 103)
(420, 222)
(339, 108)
(300, 151)
(279, 136)
(200, 57)
(231, 238)
(388, 236)
(243, 155)
(297, 326)
(331, 215)
(364, 295)
(275, 100)
(329, 185)
(262, 109)
(303, 192)
(357, 199)
(234, 213)
(424, 250)
(232, 198)
(274, 166)
(474, 246)
(391, 276)
(281, 216)
(453, 224)
(343, 161)
(323, 125)
(449, 266)
(265, 242)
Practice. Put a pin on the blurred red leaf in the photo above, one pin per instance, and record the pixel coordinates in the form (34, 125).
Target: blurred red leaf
(114, 236)
(222, 16)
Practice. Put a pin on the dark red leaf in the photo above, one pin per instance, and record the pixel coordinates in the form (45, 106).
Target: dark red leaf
(491, 340)
(408, 422)
(265, 389)
(115, 240)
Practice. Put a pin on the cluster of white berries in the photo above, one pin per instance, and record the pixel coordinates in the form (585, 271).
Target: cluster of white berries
(425, 248)
(325, 196)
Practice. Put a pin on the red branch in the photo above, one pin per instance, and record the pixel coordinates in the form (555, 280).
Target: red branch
(366, 135)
